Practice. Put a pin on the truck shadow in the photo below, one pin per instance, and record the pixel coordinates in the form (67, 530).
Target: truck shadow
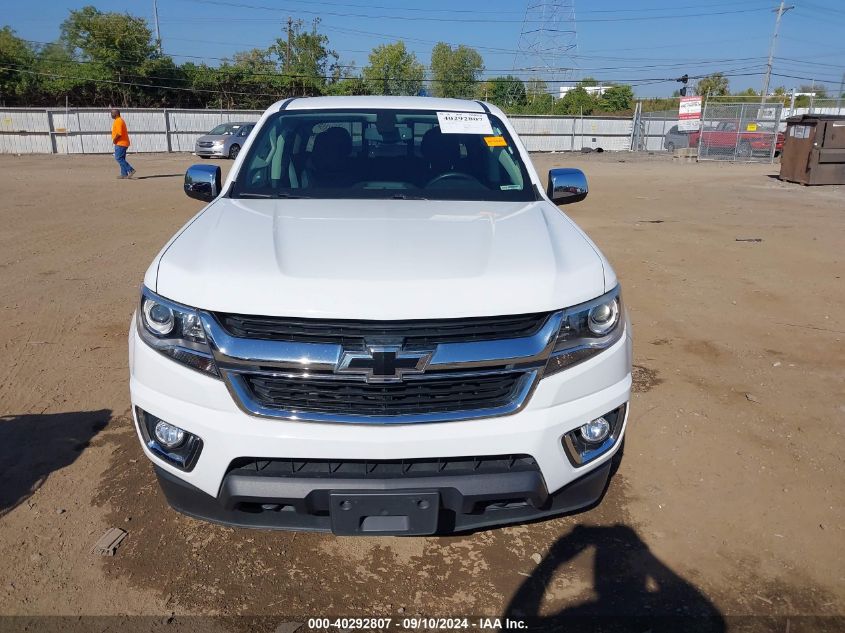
(631, 589)
(32, 446)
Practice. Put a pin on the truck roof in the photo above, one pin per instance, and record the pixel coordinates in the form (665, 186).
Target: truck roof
(371, 102)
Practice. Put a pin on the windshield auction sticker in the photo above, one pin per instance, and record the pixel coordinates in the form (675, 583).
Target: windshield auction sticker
(464, 123)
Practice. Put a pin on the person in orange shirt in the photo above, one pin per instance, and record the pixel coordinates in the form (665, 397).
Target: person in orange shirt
(120, 138)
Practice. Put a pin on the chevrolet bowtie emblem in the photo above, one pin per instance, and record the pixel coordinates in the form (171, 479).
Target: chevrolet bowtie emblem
(383, 363)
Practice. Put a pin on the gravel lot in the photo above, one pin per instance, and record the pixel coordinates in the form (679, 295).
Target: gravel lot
(728, 502)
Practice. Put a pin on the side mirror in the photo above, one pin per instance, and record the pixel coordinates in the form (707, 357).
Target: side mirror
(567, 185)
(202, 182)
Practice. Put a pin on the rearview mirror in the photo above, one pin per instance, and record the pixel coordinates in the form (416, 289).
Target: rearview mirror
(567, 185)
(202, 182)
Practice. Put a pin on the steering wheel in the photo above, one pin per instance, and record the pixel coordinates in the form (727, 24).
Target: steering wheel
(453, 175)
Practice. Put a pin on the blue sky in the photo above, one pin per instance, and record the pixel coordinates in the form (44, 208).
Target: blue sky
(639, 42)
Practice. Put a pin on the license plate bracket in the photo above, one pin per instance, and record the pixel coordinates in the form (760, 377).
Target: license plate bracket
(377, 512)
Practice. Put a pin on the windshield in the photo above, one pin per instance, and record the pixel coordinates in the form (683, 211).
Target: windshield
(383, 154)
(224, 129)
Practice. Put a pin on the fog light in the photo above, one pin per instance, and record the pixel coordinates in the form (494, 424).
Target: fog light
(170, 436)
(168, 442)
(595, 438)
(595, 431)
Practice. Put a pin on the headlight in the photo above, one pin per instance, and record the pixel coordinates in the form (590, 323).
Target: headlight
(586, 330)
(217, 144)
(175, 331)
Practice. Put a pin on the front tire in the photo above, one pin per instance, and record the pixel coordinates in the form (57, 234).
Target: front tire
(234, 151)
(744, 150)
(670, 147)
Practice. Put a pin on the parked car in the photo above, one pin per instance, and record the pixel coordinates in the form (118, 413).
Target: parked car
(381, 323)
(731, 137)
(224, 141)
(676, 139)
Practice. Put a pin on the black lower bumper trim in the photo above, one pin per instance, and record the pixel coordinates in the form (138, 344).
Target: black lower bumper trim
(446, 504)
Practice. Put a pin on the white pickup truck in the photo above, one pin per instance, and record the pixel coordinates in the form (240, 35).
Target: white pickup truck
(381, 323)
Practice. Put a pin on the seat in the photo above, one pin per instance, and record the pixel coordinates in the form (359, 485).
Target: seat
(442, 152)
(328, 164)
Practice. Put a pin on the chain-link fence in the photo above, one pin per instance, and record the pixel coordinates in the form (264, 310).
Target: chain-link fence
(743, 132)
(658, 131)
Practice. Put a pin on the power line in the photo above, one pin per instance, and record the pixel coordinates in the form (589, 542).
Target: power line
(451, 19)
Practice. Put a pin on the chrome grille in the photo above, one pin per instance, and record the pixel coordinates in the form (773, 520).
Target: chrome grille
(299, 369)
(347, 332)
(430, 394)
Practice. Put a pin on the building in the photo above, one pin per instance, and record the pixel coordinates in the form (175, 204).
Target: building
(592, 90)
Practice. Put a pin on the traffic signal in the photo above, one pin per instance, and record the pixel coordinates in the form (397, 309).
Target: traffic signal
(684, 81)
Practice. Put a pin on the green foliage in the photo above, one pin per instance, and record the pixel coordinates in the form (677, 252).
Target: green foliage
(576, 102)
(454, 72)
(113, 46)
(348, 86)
(305, 59)
(507, 92)
(393, 70)
(715, 85)
(617, 99)
(16, 55)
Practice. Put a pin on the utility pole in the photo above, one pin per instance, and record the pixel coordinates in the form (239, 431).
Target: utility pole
(781, 10)
(158, 31)
(290, 38)
(840, 94)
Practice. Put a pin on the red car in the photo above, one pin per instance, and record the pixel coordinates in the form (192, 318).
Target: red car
(728, 137)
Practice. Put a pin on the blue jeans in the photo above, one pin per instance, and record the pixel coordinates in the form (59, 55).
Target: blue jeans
(120, 157)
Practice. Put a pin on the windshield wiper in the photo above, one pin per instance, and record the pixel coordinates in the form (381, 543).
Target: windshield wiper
(251, 194)
(402, 196)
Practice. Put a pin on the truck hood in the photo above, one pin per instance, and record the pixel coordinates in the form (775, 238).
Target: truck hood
(379, 259)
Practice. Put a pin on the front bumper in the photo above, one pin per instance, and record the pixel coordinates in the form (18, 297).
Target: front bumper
(203, 406)
(462, 502)
(210, 152)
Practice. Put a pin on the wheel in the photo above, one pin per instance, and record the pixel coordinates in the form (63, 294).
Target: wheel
(233, 151)
(744, 150)
(670, 147)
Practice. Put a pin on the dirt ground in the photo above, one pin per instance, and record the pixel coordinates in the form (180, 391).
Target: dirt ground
(729, 500)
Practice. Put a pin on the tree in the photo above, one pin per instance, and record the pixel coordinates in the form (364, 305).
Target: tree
(507, 92)
(715, 85)
(576, 101)
(617, 99)
(305, 59)
(393, 70)
(348, 86)
(454, 72)
(16, 55)
(112, 45)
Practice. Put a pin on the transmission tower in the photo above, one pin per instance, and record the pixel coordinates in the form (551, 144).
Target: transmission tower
(547, 45)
